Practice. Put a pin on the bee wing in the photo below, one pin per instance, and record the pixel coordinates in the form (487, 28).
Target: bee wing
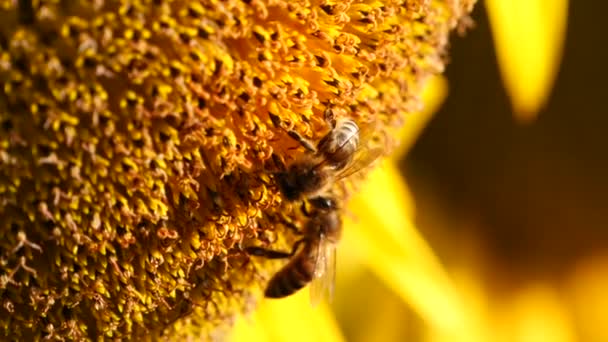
(325, 273)
(363, 158)
(331, 270)
(370, 147)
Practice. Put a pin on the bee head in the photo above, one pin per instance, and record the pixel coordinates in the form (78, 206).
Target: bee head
(324, 203)
(288, 187)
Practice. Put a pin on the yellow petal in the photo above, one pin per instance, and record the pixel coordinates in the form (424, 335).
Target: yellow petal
(586, 293)
(432, 97)
(290, 319)
(529, 37)
(470, 286)
(536, 313)
(389, 244)
(249, 328)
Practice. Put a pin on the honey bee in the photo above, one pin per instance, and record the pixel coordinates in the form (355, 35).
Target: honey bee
(312, 257)
(338, 154)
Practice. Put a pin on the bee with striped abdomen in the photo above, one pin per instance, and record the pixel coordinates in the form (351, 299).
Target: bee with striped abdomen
(312, 257)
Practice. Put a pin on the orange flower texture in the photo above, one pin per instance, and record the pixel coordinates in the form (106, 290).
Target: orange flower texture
(141, 143)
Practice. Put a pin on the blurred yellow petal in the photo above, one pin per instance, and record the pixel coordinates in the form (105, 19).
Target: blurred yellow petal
(433, 95)
(290, 319)
(536, 313)
(389, 244)
(529, 37)
(387, 322)
(470, 287)
(587, 295)
(249, 328)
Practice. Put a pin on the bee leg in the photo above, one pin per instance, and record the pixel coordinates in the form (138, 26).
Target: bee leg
(278, 162)
(288, 224)
(267, 253)
(292, 227)
(304, 209)
(303, 141)
(272, 254)
(330, 117)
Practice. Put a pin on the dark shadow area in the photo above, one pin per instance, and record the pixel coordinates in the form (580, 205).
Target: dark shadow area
(539, 190)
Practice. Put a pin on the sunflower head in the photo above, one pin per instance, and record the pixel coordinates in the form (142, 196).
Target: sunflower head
(138, 139)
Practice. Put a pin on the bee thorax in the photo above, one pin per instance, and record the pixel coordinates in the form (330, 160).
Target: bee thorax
(299, 181)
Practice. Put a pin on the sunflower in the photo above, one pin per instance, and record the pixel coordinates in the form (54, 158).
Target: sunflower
(391, 285)
(143, 143)
(137, 138)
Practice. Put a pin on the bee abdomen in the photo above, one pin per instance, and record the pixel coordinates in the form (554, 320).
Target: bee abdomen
(290, 279)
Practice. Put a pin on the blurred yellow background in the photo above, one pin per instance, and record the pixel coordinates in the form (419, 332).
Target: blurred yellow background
(501, 231)
(523, 207)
